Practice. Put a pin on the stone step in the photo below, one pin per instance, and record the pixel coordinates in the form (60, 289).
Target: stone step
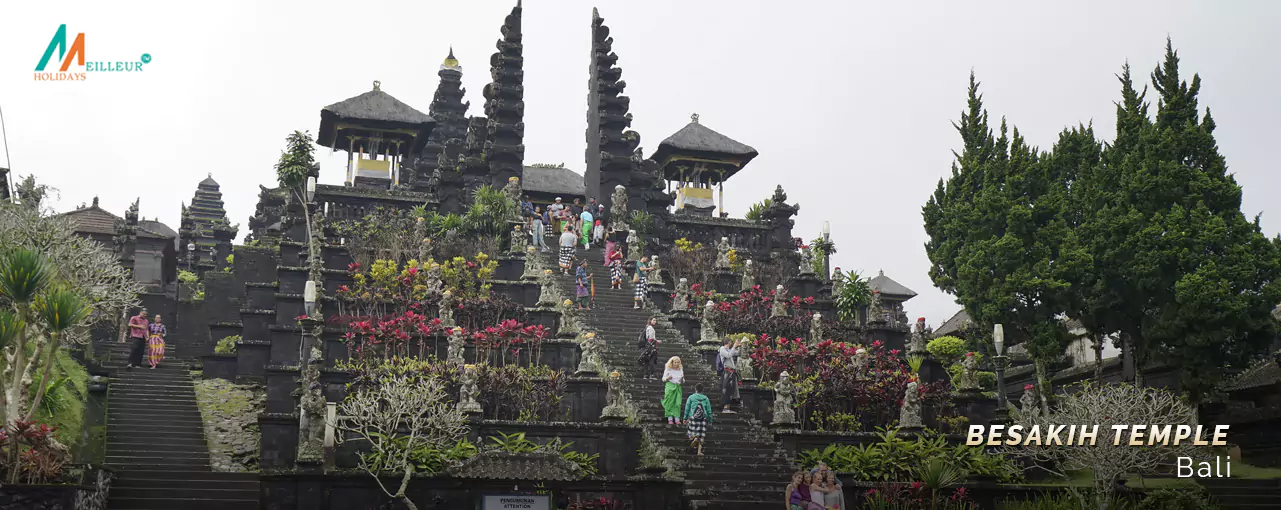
(156, 492)
(173, 503)
(158, 405)
(188, 474)
(151, 424)
(159, 434)
(158, 448)
(178, 485)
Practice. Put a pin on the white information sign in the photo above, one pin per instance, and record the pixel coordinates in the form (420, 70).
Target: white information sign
(516, 502)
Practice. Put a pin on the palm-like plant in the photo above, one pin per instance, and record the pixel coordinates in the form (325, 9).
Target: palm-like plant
(23, 274)
(854, 295)
(58, 311)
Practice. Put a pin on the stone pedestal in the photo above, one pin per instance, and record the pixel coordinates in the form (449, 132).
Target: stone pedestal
(726, 282)
(686, 323)
(893, 337)
(980, 409)
(806, 285)
(660, 295)
(931, 370)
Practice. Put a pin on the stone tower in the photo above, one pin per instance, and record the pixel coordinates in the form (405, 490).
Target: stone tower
(450, 112)
(505, 105)
(204, 224)
(610, 144)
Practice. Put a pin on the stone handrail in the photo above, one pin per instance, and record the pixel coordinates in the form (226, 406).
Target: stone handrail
(744, 235)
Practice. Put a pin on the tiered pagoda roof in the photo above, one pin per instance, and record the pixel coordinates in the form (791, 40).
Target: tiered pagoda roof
(205, 223)
(364, 115)
(611, 146)
(505, 104)
(450, 113)
(889, 288)
(698, 145)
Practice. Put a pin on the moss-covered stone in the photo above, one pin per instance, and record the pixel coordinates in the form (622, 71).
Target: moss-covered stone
(230, 414)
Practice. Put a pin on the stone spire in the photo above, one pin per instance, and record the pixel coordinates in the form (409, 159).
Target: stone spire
(205, 224)
(450, 112)
(505, 105)
(610, 144)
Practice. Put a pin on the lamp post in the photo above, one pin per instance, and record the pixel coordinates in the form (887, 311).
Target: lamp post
(191, 253)
(311, 189)
(827, 250)
(1000, 362)
(309, 297)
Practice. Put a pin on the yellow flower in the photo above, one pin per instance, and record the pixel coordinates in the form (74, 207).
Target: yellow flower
(547, 271)
(470, 366)
(615, 374)
(568, 303)
(589, 335)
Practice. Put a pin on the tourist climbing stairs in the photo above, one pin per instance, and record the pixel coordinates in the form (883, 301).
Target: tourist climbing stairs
(156, 444)
(742, 467)
(1244, 494)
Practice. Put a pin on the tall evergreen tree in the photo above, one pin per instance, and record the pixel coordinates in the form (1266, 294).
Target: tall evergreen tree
(1180, 272)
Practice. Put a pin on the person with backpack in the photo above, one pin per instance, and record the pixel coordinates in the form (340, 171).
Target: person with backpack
(727, 362)
(698, 415)
(648, 342)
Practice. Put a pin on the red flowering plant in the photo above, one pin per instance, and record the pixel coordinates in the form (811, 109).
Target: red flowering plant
(404, 334)
(752, 310)
(832, 394)
(509, 338)
(916, 496)
(40, 458)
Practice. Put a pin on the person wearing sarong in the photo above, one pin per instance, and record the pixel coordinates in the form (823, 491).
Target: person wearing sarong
(554, 212)
(648, 346)
(614, 260)
(581, 281)
(698, 416)
(641, 282)
(728, 355)
(673, 378)
(586, 226)
(539, 230)
(567, 241)
(138, 336)
(155, 342)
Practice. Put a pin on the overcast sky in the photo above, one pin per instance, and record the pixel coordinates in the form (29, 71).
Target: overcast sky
(849, 103)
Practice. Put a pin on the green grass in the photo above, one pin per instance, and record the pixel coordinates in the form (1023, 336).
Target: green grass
(64, 404)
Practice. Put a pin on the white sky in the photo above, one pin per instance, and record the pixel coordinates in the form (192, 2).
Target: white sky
(848, 103)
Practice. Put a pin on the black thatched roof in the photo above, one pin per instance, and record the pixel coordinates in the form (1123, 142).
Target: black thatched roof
(696, 137)
(94, 220)
(890, 288)
(553, 180)
(957, 323)
(374, 109)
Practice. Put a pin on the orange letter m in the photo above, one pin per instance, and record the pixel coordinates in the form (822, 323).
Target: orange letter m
(59, 43)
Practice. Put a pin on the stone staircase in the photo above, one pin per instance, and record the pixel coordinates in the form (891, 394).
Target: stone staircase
(1244, 494)
(156, 443)
(742, 468)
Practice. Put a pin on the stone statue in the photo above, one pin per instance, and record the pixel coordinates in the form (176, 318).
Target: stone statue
(707, 330)
(838, 281)
(512, 191)
(446, 310)
(568, 318)
(618, 210)
(547, 295)
(635, 247)
(780, 302)
(816, 328)
(784, 392)
(861, 361)
(519, 241)
(909, 415)
(722, 254)
(807, 261)
(917, 343)
(746, 368)
(681, 302)
(533, 263)
(467, 394)
(457, 342)
(749, 280)
(589, 361)
(435, 280)
(1030, 402)
(968, 379)
(615, 404)
(876, 310)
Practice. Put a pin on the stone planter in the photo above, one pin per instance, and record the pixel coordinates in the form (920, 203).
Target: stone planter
(251, 359)
(687, 324)
(219, 366)
(87, 492)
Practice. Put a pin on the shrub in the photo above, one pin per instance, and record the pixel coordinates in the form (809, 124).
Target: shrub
(1196, 498)
(946, 349)
(227, 345)
(894, 459)
(187, 277)
(40, 459)
(508, 392)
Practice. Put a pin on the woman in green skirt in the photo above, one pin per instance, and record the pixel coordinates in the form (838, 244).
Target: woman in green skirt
(673, 377)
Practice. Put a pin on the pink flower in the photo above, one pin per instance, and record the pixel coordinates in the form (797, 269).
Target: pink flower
(1028, 387)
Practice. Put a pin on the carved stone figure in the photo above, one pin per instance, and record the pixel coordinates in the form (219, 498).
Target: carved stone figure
(816, 328)
(917, 343)
(746, 368)
(446, 310)
(909, 416)
(519, 241)
(435, 280)
(681, 302)
(512, 191)
(635, 247)
(968, 379)
(707, 333)
(533, 264)
(784, 393)
(457, 342)
(467, 394)
(876, 310)
(1030, 402)
(807, 261)
(861, 361)
(722, 254)
(838, 281)
(589, 361)
(780, 302)
(618, 210)
(568, 318)
(615, 404)
(749, 280)
(547, 294)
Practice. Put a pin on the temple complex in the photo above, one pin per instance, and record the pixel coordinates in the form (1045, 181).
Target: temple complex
(147, 247)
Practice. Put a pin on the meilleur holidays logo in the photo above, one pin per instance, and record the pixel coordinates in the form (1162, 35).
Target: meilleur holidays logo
(74, 53)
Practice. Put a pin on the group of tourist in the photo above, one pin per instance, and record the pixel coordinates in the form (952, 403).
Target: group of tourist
(817, 489)
(148, 336)
(586, 223)
(696, 413)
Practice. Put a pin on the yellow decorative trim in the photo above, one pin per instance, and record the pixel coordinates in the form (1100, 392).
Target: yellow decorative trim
(734, 162)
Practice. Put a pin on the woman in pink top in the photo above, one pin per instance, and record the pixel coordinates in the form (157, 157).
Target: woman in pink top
(138, 329)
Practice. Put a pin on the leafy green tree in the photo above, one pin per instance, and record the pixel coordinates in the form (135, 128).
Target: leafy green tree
(999, 239)
(854, 295)
(1181, 273)
(755, 212)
